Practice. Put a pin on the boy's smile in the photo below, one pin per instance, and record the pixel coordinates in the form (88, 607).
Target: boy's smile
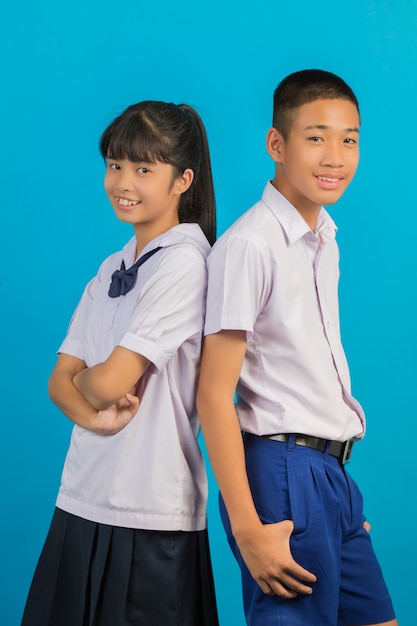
(318, 160)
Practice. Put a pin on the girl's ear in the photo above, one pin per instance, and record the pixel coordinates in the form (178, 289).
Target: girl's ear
(275, 145)
(183, 182)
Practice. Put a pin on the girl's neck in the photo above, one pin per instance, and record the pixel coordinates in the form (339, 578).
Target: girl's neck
(146, 235)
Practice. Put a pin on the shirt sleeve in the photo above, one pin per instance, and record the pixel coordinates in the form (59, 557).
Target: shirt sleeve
(238, 285)
(170, 309)
(74, 342)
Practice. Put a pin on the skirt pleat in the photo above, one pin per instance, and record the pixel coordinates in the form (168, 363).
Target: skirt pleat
(92, 574)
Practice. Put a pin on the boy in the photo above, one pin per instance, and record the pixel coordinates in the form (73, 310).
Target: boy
(293, 515)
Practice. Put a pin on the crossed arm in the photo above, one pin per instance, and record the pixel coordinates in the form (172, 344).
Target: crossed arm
(264, 548)
(100, 398)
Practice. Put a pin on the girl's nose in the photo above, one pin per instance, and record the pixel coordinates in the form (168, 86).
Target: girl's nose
(124, 183)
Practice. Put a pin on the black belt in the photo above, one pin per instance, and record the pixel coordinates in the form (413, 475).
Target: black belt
(340, 449)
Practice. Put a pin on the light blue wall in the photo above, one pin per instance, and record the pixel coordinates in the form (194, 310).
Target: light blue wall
(67, 70)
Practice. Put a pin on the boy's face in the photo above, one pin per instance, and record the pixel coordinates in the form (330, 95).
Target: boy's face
(318, 160)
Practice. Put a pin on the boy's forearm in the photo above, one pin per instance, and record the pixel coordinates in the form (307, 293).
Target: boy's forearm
(222, 360)
(224, 444)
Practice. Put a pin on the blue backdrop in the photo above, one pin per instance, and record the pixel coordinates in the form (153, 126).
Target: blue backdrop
(67, 70)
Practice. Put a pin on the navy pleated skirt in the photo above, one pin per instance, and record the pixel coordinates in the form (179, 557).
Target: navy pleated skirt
(93, 574)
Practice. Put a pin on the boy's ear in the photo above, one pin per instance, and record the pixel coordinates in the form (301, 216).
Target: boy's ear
(275, 145)
(183, 182)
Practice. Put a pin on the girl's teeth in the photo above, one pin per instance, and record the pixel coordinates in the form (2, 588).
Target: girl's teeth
(125, 202)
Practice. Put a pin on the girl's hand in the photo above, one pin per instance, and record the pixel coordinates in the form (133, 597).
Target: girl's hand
(112, 420)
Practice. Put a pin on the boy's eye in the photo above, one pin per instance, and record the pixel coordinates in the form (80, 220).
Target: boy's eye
(315, 139)
(351, 141)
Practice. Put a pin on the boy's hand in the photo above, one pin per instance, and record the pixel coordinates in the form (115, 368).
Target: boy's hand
(112, 420)
(268, 557)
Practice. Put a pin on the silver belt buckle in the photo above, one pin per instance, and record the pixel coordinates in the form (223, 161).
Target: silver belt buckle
(347, 451)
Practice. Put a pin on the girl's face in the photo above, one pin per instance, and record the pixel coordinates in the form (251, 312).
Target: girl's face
(145, 195)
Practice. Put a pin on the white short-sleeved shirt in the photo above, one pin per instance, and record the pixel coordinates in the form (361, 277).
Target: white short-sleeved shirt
(151, 474)
(272, 277)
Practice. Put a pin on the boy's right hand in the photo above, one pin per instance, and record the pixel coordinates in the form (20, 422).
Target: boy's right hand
(268, 557)
(112, 420)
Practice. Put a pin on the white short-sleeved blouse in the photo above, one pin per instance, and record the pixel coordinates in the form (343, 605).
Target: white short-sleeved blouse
(150, 475)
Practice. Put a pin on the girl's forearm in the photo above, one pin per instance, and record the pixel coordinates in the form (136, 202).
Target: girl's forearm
(107, 383)
(91, 383)
(70, 401)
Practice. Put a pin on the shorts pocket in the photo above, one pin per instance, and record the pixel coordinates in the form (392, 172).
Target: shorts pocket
(267, 473)
(314, 491)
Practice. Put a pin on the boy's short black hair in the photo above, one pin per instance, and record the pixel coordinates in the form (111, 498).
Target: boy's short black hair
(303, 87)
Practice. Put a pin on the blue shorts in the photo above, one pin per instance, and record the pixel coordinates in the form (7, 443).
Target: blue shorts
(312, 489)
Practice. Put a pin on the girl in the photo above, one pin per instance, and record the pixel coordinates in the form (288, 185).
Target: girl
(128, 540)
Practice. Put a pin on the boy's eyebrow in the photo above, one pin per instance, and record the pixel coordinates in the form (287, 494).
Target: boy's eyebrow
(355, 129)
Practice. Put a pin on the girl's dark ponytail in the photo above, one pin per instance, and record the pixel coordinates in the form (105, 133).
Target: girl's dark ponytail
(202, 197)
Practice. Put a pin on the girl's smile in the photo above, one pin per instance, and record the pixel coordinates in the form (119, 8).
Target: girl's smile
(124, 202)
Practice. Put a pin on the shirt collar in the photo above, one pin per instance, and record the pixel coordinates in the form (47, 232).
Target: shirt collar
(182, 233)
(293, 224)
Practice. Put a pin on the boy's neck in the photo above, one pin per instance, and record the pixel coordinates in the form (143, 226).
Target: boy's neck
(309, 211)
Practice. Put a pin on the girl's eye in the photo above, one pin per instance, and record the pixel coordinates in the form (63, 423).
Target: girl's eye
(143, 170)
(113, 166)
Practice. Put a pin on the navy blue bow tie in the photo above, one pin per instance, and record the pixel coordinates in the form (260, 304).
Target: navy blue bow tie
(123, 280)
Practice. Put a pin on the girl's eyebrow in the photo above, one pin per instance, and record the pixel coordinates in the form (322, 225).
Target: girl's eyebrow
(144, 161)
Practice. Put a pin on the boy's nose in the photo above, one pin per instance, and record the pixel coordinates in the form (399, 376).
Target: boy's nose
(333, 156)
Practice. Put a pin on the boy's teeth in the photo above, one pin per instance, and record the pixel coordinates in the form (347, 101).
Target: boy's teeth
(327, 179)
